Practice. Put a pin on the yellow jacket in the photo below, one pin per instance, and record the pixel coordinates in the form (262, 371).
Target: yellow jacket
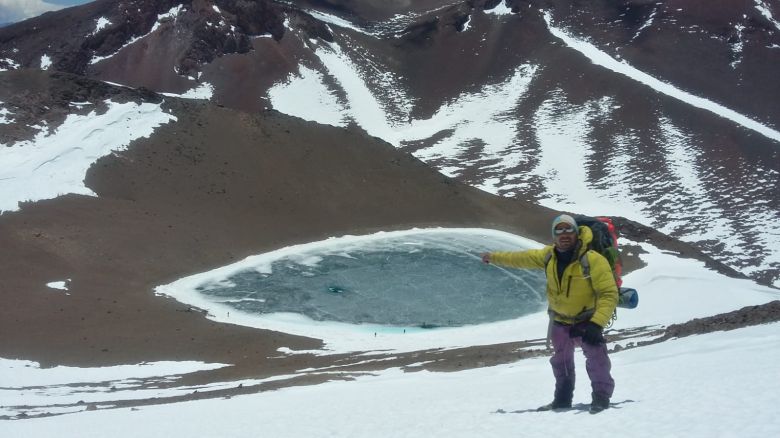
(575, 295)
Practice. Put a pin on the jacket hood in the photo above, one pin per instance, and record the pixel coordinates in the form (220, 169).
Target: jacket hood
(585, 236)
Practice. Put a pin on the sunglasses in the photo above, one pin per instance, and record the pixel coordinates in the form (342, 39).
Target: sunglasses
(559, 231)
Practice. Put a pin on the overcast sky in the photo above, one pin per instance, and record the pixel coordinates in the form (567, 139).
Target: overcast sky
(18, 10)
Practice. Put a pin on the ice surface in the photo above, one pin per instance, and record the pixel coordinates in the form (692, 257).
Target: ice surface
(418, 278)
(410, 281)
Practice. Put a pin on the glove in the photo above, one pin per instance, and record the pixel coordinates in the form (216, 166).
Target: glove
(592, 334)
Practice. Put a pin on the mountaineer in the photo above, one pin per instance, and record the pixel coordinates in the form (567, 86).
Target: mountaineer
(580, 306)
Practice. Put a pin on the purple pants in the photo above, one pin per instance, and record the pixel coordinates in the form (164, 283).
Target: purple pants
(597, 363)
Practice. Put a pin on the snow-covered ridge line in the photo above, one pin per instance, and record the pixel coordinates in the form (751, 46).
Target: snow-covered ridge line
(172, 13)
(601, 58)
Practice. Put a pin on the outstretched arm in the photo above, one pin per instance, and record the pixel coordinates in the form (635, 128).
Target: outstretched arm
(529, 259)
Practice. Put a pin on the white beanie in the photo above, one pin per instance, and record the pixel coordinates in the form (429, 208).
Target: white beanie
(565, 219)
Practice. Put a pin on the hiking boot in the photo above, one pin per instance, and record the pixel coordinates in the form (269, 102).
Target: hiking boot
(556, 405)
(599, 403)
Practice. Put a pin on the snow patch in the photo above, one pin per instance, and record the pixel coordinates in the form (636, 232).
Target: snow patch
(55, 164)
(62, 389)
(562, 132)
(305, 95)
(467, 115)
(171, 14)
(28, 373)
(45, 62)
(646, 24)
(467, 24)
(500, 9)
(4, 119)
(61, 285)
(203, 91)
(485, 117)
(674, 199)
(10, 63)
(736, 48)
(100, 24)
(763, 8)
(336, 21)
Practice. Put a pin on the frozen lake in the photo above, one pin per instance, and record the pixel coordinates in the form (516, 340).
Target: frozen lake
(423, 280)
(387, 282)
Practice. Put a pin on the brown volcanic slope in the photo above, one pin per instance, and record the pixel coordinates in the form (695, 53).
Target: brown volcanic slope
(209, 189)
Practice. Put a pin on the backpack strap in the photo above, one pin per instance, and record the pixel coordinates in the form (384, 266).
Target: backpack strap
(586, 273)
(586, 266)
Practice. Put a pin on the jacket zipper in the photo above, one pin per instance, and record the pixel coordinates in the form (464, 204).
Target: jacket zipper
(568, 285)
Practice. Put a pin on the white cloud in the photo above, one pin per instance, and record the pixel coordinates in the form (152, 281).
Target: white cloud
(17, 10)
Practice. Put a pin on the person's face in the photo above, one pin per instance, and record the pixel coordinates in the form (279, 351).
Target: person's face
(565, 237)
